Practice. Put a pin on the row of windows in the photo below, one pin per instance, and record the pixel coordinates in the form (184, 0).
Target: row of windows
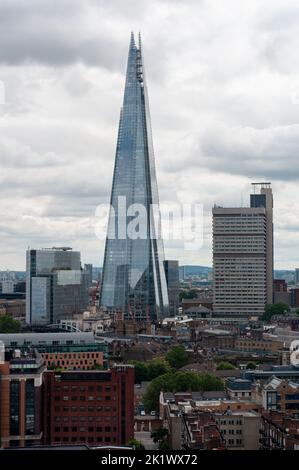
(82, 388)
(232, 431)
(78, 355)
(231, 422)
(233, 442)
(90, 409)
(83, 398)
(85, 429)
(75, 419)
(95, 440)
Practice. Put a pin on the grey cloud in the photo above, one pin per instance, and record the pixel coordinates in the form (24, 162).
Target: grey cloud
(270, 153)
(206, 64)
(54, 33)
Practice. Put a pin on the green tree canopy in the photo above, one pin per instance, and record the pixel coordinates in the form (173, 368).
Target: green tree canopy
(159, 434)
(156, 367)
(179, 382)
(188, 294)
(145, 371)
(137, 445)
(177, 357)
(225, 366)
(275, 309)
(9, 325)
(251, 365)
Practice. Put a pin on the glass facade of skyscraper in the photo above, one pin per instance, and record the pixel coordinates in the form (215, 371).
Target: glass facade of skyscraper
(133, 273)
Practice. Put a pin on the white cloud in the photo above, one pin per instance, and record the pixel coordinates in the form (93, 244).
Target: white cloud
(222, 77)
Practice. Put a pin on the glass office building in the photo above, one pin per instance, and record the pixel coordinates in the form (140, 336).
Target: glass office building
(56, 285)
(133, 274)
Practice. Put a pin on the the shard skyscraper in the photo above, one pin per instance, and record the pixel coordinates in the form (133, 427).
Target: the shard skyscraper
(133, 277)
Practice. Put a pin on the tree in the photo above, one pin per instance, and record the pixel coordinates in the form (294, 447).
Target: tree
(9, 325)
(137, 445)
(156, 367)
(141, 371)
(164, 445)
(159, 434)
(225, 366)
(179, 382)
(188, 294)
(251, 365)
(177, 357)
(151, 397)
(275, 309)
(150, 370)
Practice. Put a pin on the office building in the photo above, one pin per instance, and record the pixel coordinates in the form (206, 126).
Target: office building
(173, 285)
(133, 273)
(294, 292)
(243, 256)
(296, 277)
(61, 350)
(21, 378)
(88, 268)
(56, 285)
(280, 292)
(7, 286)
(92, 407)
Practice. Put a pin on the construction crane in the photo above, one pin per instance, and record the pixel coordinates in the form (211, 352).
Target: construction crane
(94, 293)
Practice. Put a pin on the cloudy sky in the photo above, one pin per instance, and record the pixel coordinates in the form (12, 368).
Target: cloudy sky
(223, 78)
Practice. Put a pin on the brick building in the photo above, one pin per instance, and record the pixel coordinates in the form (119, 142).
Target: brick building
(255, 345)
(80, 360)
(21, 378)
(16, 308)
(279, 432)
(93, 407)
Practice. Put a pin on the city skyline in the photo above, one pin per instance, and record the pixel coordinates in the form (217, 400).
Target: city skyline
(224, 107)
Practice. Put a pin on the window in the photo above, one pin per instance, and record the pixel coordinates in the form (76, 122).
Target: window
(30, 407)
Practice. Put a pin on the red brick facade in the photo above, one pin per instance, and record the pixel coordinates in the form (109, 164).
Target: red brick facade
(92, 407)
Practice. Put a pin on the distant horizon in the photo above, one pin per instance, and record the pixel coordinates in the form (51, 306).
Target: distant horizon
(95, 266)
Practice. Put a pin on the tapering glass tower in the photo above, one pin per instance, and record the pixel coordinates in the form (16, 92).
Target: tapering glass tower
(133, 274)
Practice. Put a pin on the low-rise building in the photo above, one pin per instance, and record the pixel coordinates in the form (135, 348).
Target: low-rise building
(240, 429)
(210, 420)
(278, 395)
(278, 431)
(238, 388)
(16, 308)
(92, 407)
(258, 346)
